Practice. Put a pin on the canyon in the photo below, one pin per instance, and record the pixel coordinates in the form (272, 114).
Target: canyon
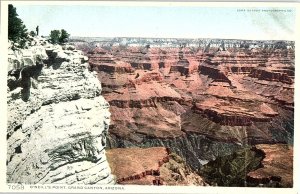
(202, 99)
(151, 111)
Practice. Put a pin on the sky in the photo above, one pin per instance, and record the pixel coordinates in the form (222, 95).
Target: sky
(154, 21)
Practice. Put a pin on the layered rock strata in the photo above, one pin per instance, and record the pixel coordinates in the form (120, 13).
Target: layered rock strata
(203, 102)
(57, 119)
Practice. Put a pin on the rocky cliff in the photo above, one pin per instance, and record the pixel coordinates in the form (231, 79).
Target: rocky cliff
(57, 120)
(275, 168)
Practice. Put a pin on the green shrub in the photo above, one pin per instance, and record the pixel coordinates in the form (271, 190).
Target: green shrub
(54, 36)
(59, 36)
(64, 36)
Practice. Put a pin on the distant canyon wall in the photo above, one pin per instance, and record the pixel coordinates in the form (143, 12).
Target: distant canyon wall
(203, 99)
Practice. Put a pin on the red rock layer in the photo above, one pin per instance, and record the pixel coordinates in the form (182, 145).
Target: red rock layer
(227, 114)
(150, 166)
(271, 75)
(136, 163)
(230, 87)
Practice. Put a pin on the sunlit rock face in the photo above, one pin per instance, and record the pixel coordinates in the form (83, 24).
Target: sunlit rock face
(151, 166)
(57, 120)
(203, 99)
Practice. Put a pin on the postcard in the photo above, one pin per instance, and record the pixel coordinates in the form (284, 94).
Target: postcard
(149, 97)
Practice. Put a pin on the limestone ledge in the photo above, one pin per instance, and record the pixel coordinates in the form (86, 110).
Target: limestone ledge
(57, 119)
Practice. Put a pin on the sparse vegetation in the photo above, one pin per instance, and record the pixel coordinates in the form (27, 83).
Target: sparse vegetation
(64, 36)
(176, 158)
(231, 170)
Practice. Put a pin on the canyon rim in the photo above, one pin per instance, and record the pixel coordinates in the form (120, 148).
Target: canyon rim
(130, 106)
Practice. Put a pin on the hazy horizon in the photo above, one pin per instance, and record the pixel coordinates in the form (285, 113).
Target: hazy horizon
(163, 22)
(200, 38)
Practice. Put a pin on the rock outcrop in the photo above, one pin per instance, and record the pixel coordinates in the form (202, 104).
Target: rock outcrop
(227, 114)
(151, 166)
(57, 120)
(276, 167)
